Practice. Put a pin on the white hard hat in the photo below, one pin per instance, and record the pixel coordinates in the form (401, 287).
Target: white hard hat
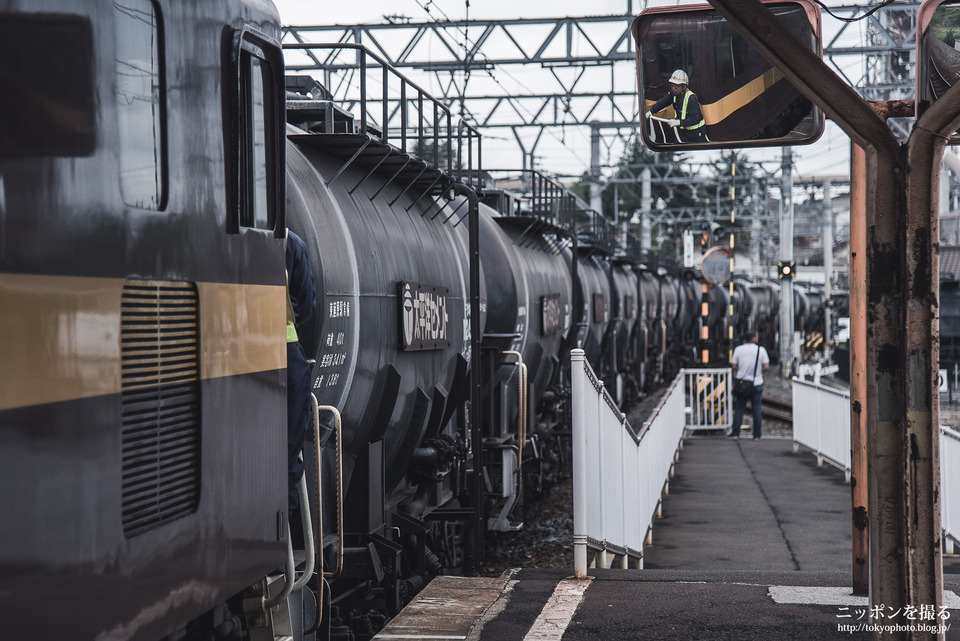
(679, 77)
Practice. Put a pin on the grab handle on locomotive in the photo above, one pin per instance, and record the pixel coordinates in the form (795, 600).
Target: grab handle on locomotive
(290, 583)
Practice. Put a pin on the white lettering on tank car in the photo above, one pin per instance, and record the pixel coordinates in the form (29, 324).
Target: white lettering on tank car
(337, 339)
(333, 360)
(339, 309)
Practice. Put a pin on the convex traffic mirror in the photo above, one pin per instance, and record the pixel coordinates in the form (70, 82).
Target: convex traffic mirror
(938, 52)
(732, 96)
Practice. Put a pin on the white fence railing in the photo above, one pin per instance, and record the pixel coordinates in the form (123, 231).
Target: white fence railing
(950, 486)
(709, 396)
(822, 424)
(619, 473)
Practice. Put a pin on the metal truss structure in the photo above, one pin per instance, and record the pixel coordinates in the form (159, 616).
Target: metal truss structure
(532, 76)
(585, 66)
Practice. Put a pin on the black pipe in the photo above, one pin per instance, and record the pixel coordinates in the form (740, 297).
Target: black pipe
(476, 424)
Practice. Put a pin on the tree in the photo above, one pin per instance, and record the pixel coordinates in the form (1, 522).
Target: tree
(737, 177)
(671, 189)
(669, 186)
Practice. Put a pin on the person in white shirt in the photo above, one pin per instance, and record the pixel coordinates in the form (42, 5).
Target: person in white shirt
(749, 362)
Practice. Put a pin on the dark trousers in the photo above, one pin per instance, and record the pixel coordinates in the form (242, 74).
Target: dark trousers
(740, 404)
(298, 415)
(692, 135)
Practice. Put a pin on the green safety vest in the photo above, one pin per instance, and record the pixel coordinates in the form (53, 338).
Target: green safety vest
(683, 111)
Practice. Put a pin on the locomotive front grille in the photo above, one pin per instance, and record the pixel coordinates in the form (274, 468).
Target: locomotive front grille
(160, 403)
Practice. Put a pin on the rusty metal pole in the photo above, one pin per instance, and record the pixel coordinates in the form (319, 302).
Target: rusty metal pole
(901, 298)
(827, 226)
(858, 371)
(886, 206)
(923, 544)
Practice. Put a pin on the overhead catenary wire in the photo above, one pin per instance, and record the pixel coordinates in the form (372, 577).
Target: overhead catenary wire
(857, 18)
(447, 22)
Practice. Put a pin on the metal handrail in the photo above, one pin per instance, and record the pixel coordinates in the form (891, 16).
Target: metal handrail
(339, 433)
(619, 474)
(434, 120)
(825, 432)
(544, 197)
(316, 408)
(949, 486)
(290, 584)
(709, 396)
(663, 129)
(834, 446)
(521, 408)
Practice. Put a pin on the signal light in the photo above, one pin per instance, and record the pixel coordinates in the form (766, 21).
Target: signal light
(786, 269)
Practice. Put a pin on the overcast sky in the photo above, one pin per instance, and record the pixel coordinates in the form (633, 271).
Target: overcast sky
(302, 12)
(829, 156)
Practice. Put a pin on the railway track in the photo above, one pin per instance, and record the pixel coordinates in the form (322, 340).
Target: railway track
(777, 409)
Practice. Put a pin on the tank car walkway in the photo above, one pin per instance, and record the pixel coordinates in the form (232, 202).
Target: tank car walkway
(753, 544)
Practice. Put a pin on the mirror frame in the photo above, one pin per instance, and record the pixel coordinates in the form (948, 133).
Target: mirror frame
(924, 93)
(727, 99)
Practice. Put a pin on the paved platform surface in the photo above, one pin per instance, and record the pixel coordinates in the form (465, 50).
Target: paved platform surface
(753, 544)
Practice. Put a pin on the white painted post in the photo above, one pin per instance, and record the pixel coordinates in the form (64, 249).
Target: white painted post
(578, 385)
(627, 474)
(605, 557)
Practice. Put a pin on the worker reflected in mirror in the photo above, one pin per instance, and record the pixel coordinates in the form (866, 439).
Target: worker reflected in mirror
(738, 98)
(687, 121)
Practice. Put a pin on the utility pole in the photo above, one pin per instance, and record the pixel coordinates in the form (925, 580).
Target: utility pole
(756, 239)
(786, 255)
(901, 299)
(827, 265)
(596, 202)
(646, 204)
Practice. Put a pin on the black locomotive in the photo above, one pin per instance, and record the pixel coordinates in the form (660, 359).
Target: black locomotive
(147, 177)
